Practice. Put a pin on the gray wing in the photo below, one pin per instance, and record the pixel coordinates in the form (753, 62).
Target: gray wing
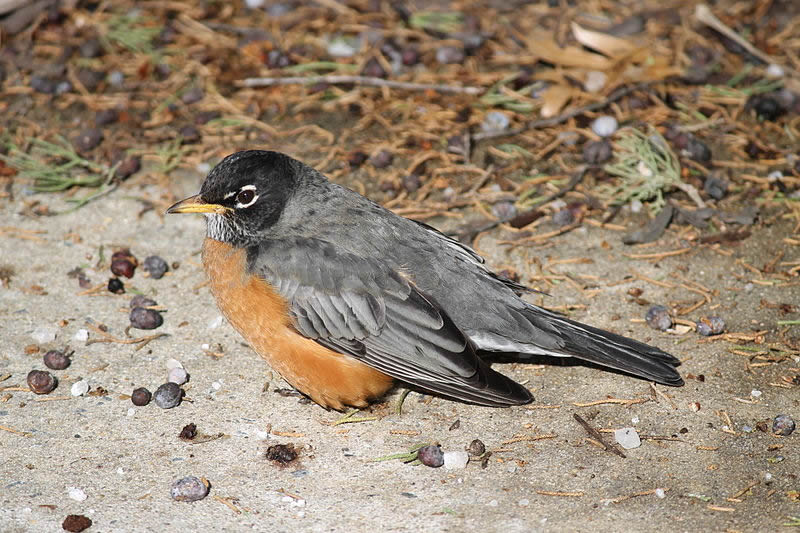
(363, 308)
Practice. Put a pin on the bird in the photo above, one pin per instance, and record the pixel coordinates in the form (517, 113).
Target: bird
(345, 299)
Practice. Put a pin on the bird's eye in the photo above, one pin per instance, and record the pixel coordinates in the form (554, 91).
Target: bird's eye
(245, 197)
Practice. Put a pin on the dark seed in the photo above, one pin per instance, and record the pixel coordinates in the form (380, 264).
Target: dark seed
(374, 69)
(597, 152)
(189, 134)
(715, 187)
(188, 432)
(43, 85)
(123, 267)
(449, 54)
(41, 381)
(698, 150)
(105, 117)
(168, 396)
(142, 318)
(431, 456)
(140, 300)
(766, 107)
(409, 57)
(783, 425)
(658, 318)
(116, 286)
(281, 453)
(141, 397)
(712, 325)
(476, 448)
(88, 139)
(189, 489)
(278, 59)
(90, 78)
(76, 523)
(156, 266)
(411, 182)
(381, 159)
(56, 359)
(91, 48)
(195, 94)
(128, 167)
(204, 117)
(356, 159)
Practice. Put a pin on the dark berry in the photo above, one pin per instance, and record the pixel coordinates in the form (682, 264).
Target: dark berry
(783, 425)
(168, 396)
(88, 139)
(712, 325)
(91, 48)
(374, 69)
(765, 106)
(596, 152)
(658, 318)
(195, 94)
(56, 359)
(128, 167)
(116, 286)
(431, 456)
(141, 300)
(156, 266)
(41, 381)
(140, 397)
(381, 159)
(123, 267)
(142, 318)
(104, 117)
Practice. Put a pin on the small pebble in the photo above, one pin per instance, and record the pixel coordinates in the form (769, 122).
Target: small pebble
(79, 388)
(658, 318)
(411, 182)
(495, 121)
(278, 59)
(168, 396)
(56, 360)
(178, 376)
(189, 489)
(116, 78)
(128, 167)
(140, 397)
(43, 85)
(41, 381)
(711, 325)
(116, 286)
(524, 502)
(476, 448)
(75, 523)
(783, 425)
(715, 187)
(91, 48)
(431, 456)
(564, 217)
(755, 393)
(774, 71)
(82, 335)
(504, 210)
(79, 495)
(697, 150)
(660, 493)
(381, 159)
(215, 322)
(455, 460)
(155, 266)
(142, 318)
(774, 176)
(447, 55)
(493, 503)
(44, 334)
(374, 69)
(189, 134)
(597, 152)
(595, 81)
(195, 94)
(628, 438)
(88, 139)
(605, 125)
(341, 48)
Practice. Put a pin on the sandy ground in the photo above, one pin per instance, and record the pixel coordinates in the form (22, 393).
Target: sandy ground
(125, 458)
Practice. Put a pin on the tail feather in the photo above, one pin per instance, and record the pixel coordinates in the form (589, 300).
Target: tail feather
(609, 349)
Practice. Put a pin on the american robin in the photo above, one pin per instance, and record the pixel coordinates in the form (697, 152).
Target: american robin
(343, 297)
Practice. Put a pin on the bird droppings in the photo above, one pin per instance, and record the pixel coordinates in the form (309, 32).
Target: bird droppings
(628, 438)
(79, 388)
(190, 489)
(168, 395)
(41, 381)
(281, 454)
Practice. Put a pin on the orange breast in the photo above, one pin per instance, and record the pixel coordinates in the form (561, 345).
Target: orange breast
(260, 314)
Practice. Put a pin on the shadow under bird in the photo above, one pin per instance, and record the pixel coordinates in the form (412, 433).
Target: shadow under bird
(343, 297)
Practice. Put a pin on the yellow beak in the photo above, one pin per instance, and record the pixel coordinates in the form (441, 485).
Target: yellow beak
(194, 204)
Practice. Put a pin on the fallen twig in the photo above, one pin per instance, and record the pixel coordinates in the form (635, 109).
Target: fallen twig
(597, 435)
(340, 79)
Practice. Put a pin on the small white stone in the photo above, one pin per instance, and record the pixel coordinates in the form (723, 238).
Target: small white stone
(254, 4)
(287, 499)
(216, 385)
(628, 438)
(455, 460)
(203, 168)
(205, 346)
(524, 502)
(660, 493)
(775, 175)
(595, 81)
(605, 125)
(174, 363)
(495, 121)
(120, 471)
(43, 334)
(177, 376)
(636, 206)
(341, 48)
(768, 478)
(755, 393)
(131, 411)
(261, 434)
(493, 503)
(775, 71)
(76, 494)
(216, 322)
(635, 420)
(511, 469)
(79, 388)
(82, 335)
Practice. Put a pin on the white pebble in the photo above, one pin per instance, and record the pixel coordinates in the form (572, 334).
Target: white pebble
(116, 78)
(636, 206)
(214, 323)
(595, 81)
(495, 121)
(775, 175)
(628, 438)
(341, 48)
(775, 71)
(76, 494)
(120, 471)
(261, 434)
(216, 385)
(287, 499)
(635, 420)
(205, 346)
(43, 334)
(79, 388)
(524, 502)
(455, 460)
(178, 376)
(203, 168)
(131, 411)
(660, 493)
(254, 4)
(605, 126)
(493, 503)
(511, 469)
(174, 363)
(82, 335)
(768, 478)
(755, 393)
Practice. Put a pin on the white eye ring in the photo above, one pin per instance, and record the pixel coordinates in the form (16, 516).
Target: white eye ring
(249, 202)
